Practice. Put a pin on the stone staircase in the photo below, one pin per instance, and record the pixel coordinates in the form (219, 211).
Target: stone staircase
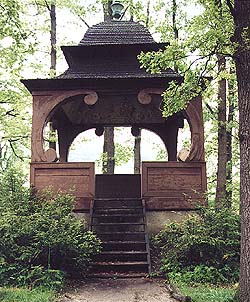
(121, 225)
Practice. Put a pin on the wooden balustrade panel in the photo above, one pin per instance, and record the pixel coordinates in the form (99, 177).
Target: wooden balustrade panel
(174, 185)
(74, 178)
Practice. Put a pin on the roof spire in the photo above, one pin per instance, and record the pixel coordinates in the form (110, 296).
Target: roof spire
(117, 9)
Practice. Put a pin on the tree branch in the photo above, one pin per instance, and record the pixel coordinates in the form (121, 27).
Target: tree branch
(47, 5)
(231, 8)
(15, 139)
(14, 151)
(11, 113)
(84, 22)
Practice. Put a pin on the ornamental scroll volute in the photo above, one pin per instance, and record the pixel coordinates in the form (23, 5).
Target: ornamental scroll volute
(44, 104)
(193, 114)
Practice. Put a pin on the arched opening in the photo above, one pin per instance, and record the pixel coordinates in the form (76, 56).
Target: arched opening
(50, 142)
(152, 146)
(184, 142)
(88, 147)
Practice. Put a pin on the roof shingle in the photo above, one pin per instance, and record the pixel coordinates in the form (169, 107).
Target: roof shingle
(117, 32)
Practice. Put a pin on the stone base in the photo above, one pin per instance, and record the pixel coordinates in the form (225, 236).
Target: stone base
(83, 216)
(156, 220)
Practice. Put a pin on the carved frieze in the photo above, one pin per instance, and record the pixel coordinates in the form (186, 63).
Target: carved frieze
(113, 110)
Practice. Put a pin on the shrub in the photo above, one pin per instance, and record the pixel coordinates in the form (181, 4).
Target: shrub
(205, 293)
(26, 295)
(204, 248)
(41, 240)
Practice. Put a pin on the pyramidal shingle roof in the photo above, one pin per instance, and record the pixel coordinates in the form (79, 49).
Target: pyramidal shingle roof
(108, 50)
(117, 32)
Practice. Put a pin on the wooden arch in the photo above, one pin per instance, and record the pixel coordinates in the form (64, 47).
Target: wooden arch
(193, 114)
(50, 101)
(43, 107)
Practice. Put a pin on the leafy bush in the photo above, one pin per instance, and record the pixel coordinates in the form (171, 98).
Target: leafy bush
(27, 295)
(41, 240)
(204, 293)
(204, 248)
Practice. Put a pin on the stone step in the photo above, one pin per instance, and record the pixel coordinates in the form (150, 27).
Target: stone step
(117, 203)
(124, 245)
(117, 215)
(121, 256)
(119, 266)
(120, 223)
(121, 236)
(118, 275)
(118, 227)
(119, 218)
(117, 211)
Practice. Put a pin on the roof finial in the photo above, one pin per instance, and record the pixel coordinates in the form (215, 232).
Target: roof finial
(117, 9)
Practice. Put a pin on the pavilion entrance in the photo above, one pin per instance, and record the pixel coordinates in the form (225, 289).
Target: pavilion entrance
(118, 186)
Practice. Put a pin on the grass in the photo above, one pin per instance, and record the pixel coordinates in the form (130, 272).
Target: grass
(205, 293)
(26, 295)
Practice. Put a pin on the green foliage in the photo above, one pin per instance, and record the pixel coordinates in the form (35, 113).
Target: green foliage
(26, 295)
(203, 248)
(193, 54)
(201, 293)
(122, 154)
(41, 240)
(15, 46)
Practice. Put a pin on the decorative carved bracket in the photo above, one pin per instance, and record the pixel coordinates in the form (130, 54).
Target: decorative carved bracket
(144, 96)
(50, 155)
(194, 118)
(44, 104)
(135, 131)
(91, 98)
(99, 131)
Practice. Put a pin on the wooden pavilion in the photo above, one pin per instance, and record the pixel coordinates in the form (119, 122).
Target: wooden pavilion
(105, 86)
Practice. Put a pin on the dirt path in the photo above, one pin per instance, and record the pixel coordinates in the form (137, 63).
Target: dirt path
(119, 290)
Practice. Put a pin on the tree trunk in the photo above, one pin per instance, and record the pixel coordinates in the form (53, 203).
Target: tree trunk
(1, 153)
(137, 154)
(107, 11)
(53, 40)
(148, 14)
(52, 10)
(174, 12)
(131, 9)
(108, 166)
(230, 118)
(220, 198)
(242, 60)
(175, 28)
(137, 140)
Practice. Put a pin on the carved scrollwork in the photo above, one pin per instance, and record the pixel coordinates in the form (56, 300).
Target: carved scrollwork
(44, 104)
(194, 119)
(50, 155)
(91, 98)
(144, 96)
